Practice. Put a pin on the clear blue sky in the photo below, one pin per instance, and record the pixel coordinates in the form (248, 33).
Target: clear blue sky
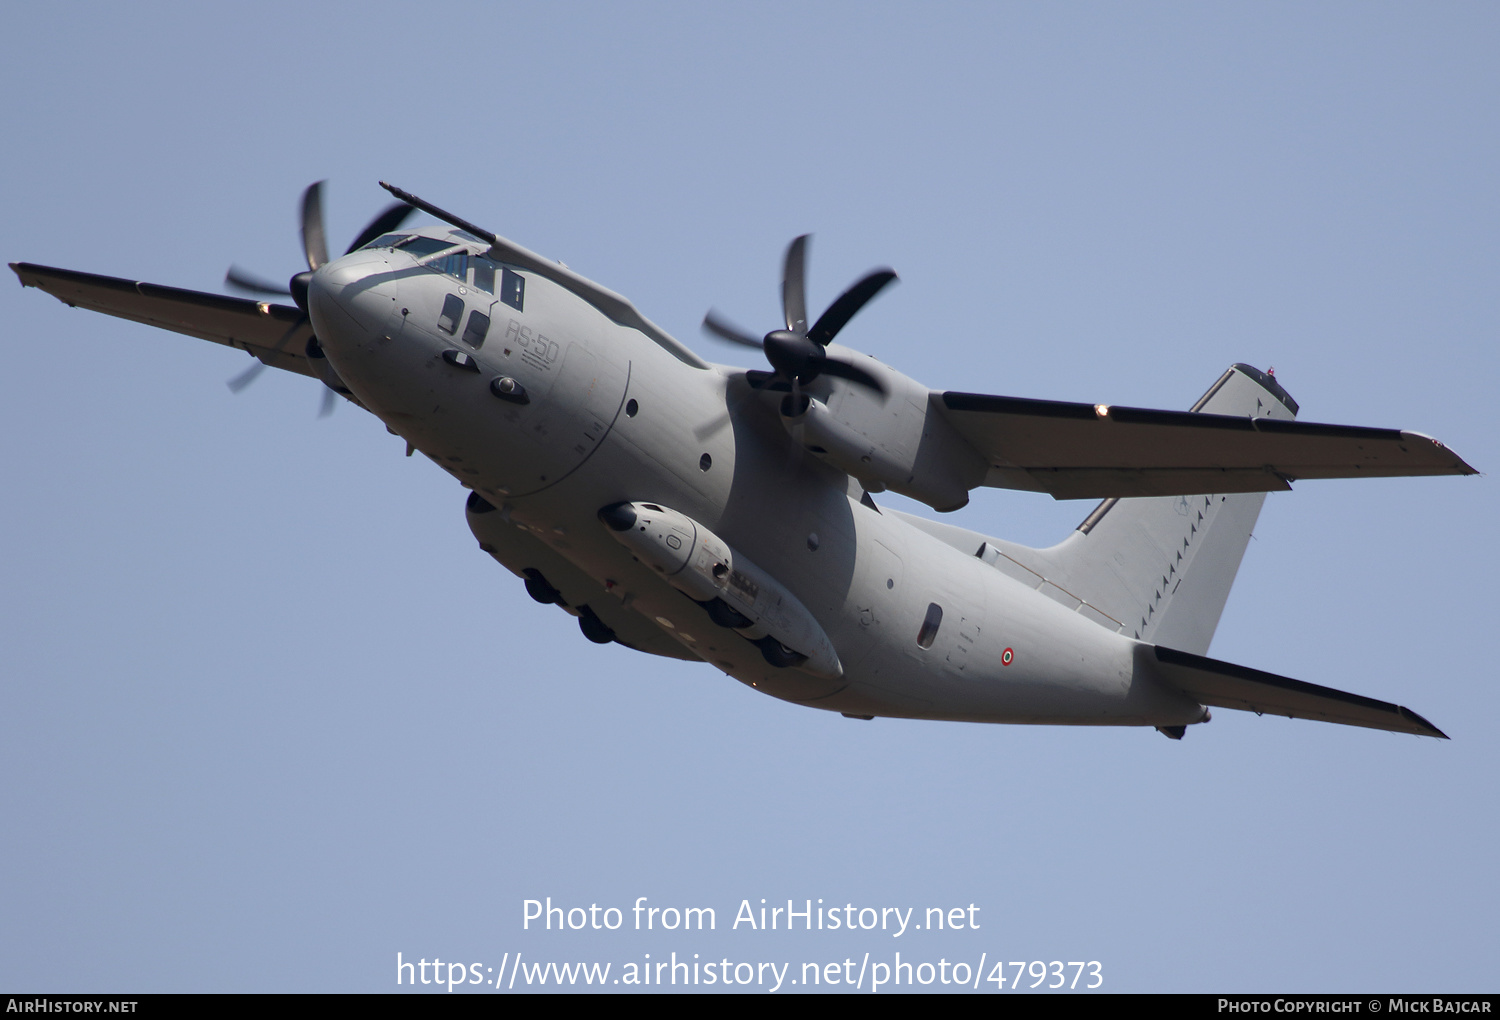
(269, 716)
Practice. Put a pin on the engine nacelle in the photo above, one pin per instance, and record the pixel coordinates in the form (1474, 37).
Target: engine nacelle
(898, 441)
(736, 592)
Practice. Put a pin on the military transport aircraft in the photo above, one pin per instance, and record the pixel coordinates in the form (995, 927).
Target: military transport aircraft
(685, 509)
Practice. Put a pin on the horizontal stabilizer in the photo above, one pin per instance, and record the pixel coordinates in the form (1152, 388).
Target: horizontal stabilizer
(1073, 451)
(276, 334)
(1225, 685)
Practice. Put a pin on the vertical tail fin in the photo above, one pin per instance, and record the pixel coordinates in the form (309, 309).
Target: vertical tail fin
(1160, 568)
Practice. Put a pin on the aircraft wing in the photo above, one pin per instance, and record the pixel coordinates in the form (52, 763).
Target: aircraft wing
(1077, 451)
(276, 334)
(1225, 685)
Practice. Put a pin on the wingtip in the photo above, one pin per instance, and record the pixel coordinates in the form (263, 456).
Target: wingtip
(1417, 720)
(1461, 466)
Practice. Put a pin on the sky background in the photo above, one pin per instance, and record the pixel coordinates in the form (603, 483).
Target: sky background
(270, 717)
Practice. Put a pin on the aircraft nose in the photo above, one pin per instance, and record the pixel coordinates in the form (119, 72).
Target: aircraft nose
(346, 301)
(336, 277)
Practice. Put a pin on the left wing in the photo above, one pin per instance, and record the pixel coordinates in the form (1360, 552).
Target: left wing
(276, 334)
(1076, 451)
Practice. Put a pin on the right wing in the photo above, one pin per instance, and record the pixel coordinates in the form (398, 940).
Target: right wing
(276, 334)
(1074, 451)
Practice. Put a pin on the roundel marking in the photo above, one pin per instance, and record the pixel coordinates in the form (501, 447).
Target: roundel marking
(1007, 657)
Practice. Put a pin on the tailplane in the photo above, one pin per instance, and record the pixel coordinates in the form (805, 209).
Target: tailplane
(1225, 685)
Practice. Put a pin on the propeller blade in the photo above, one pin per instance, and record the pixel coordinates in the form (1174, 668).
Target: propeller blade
(797, 449)
(392, 217)
(851, 301)
(242, 279)
(852, 372)
(314, 238)
(710, 427)
(725, 330)
(291, 331)
(794, 284)
(330, 401)
(246, 377)
(250, 374)
(735, 397)
(758, 380)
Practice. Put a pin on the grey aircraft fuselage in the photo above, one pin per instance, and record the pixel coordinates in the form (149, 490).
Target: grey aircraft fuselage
(616, 417)
(716, 514)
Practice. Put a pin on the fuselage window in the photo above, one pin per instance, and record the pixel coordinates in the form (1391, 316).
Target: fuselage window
(419, 245)
(453, 310)
(474, 332)
(928, 634)
(484, 275)
(513, 289)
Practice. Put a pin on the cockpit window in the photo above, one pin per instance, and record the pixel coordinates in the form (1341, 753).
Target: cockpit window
(420, 245)
(484, 275)
(454, 264)
(387, 241)
(513, 289)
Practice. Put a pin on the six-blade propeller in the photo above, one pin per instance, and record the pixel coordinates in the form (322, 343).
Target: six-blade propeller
(799, 354)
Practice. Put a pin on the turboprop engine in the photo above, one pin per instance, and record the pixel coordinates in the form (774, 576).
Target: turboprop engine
(877, 425)
(736, 593)
(891, 440)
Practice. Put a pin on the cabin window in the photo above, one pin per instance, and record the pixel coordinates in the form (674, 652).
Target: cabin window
(474, 332)
(513, 289)
(928, 634)
(484, 275)
(453, 311)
